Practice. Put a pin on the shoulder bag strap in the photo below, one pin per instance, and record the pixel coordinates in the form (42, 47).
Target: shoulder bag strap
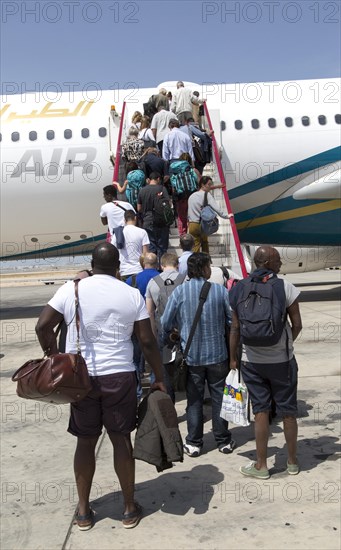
(205, 199)
(116, 204)
(77, 315)
(202, 298)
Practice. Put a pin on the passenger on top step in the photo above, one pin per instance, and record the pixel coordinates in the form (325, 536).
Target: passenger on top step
(182, 102)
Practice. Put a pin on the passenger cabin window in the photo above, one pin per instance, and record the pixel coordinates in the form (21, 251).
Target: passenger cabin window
(85, 133)
(289, 121)
(15, 136)
(68, 134)
(272, 123)
(102, 132)
(32, 136)
(338, 119)
(322, 120)
(305, 120)
(50, 134)
(238, 124)
(255, 124)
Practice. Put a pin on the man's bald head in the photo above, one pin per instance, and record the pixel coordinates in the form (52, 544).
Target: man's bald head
(268, 257)
(105, 259)
(149, 260)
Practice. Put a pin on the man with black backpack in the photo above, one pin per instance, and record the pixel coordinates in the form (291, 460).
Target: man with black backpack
(261, 304)
(157, 214)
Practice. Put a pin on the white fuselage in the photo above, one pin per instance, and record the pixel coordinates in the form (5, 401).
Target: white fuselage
(280, 153)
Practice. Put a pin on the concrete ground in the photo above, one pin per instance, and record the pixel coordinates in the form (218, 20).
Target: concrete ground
(203, 502)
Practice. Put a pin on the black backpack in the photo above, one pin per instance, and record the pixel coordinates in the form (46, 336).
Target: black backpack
(260, 303)
(163, 214)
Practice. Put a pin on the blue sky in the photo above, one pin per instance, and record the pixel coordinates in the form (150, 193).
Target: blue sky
(147, 42)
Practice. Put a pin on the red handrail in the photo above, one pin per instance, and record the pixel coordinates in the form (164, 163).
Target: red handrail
(226, 196)
(118, 147)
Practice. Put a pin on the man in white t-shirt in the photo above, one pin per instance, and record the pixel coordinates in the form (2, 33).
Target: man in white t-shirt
(112, 212)
(136, 244)
(159, 125)
(269, 372)
(110, 312)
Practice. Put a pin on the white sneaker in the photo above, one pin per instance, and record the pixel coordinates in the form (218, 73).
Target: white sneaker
(191, 450)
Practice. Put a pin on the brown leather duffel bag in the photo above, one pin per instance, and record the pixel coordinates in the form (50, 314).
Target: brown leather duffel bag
(60, 378)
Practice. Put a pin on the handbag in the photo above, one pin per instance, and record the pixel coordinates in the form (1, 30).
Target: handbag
(180, 366)
(60, 378)
(197, 151)
(234, 407)
(209, 222)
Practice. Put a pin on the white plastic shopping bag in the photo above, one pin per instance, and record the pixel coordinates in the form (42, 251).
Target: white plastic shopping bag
(235, 398)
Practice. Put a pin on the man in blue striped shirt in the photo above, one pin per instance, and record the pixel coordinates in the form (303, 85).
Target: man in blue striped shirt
(207, 359)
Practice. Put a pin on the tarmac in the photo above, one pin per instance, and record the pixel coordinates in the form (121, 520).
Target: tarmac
(202, 503)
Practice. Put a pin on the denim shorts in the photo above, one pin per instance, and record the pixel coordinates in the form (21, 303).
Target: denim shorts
(267, 382)
(111, 403)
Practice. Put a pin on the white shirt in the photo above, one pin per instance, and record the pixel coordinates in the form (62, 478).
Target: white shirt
(146, 133)
(182, 101)
(114, 214)
(183, 261)
(160, 122)
(134, 240)
(108, 309)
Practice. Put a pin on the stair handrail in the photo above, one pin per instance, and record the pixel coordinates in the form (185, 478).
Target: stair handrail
(118, 147)
(225, 193)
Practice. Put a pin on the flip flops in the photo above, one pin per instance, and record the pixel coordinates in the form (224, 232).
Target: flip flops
(86, 521)
(132, 519)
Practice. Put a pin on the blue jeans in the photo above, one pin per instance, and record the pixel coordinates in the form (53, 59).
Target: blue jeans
(215, 376)
(159, 240)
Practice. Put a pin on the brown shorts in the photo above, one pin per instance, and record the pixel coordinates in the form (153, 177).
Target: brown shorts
(111, 403)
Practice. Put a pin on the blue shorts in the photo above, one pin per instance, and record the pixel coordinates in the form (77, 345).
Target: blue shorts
(111, 403)
(267, 382)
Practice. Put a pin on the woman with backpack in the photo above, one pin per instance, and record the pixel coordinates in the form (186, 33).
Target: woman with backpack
(134, 181)
(184, 181)
(195, 205)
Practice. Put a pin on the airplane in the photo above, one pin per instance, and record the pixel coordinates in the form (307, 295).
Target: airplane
(279, 146)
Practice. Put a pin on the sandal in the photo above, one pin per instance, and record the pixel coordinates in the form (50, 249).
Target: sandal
(132, 519)
(85, 522)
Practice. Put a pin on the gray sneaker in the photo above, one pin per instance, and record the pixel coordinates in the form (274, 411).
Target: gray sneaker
(251, 471)
(293, 469)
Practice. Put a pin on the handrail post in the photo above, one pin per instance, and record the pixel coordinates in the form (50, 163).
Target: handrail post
(225, 193)
(118, 147)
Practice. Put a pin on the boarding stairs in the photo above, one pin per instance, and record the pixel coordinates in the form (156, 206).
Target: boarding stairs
(225, 248)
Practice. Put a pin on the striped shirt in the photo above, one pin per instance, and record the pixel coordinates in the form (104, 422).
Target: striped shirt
(208, 344)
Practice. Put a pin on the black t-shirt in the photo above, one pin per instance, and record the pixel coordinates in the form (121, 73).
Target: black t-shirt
(146, 200)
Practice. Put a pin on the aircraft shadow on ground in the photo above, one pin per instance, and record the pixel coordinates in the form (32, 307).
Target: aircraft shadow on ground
(318, 295)
(27, 312)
